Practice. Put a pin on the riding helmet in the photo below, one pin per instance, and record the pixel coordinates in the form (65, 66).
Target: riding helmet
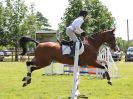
(83, 13)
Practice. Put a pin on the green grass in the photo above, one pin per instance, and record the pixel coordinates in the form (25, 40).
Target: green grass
(59, 86)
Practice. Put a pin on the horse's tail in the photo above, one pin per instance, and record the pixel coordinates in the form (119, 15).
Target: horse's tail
(23, 41)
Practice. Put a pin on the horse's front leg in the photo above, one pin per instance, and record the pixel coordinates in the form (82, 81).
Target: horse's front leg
(108, 75)
(30, 68)
(105, 67)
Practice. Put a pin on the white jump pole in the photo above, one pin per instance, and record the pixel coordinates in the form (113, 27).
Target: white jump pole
(75, 92)
(75, 87)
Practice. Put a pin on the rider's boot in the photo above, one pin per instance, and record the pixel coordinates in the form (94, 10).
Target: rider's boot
(72, 53)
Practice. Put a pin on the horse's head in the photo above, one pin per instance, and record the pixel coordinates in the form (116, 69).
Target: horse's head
(99, 38)
(110, 39)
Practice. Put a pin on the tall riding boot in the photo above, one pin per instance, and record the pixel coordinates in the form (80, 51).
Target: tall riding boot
(72, 54)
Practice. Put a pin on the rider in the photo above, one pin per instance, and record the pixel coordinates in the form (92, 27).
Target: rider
(75, 28)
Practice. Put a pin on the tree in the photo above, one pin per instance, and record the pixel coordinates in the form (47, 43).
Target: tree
(99, 17)
(121, 43)
(131, 43)
(15, 13)
(29, 23)
(2, 24)
(17, 20)
(71, 13)
(41, 20)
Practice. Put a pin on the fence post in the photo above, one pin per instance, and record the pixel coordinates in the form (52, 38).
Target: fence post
(75, 86)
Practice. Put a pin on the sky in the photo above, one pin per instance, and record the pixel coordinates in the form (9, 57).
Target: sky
(53, 10)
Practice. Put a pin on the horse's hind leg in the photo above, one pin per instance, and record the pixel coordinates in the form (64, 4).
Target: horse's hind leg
(30, 67)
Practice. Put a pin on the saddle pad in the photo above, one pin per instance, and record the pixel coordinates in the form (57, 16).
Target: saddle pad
(66, 49)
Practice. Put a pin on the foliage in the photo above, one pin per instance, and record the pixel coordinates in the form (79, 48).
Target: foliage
(70, 14)
(3, 36)
(99, 17)
(16, 20)
(131, 43)
(41, 20)
(123, 44)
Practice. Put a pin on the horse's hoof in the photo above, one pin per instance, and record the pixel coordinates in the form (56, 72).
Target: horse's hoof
(110, 83)
(29, 81)
(24, 84)
(24, 79)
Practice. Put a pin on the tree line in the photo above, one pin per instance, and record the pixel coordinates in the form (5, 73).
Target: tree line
(99, 19)
(17, 19)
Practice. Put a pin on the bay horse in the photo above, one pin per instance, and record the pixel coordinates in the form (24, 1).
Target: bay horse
(47, 52)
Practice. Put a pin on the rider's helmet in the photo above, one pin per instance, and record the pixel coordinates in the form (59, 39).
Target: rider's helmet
(83, 13)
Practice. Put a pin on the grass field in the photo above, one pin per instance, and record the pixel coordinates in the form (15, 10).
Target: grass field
(59, 86)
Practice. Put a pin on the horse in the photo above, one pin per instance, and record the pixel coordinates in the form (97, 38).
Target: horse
(47, 52)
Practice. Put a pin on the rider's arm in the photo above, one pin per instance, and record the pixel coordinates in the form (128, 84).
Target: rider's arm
(77, 25)
(78, 29)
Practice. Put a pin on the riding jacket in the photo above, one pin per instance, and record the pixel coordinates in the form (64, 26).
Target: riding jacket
(75, 26)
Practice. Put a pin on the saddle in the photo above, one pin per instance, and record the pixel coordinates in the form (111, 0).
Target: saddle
(68, 43)
(68, 48)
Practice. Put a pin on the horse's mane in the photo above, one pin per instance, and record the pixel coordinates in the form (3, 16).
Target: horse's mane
(96, 33)
(93, 35)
